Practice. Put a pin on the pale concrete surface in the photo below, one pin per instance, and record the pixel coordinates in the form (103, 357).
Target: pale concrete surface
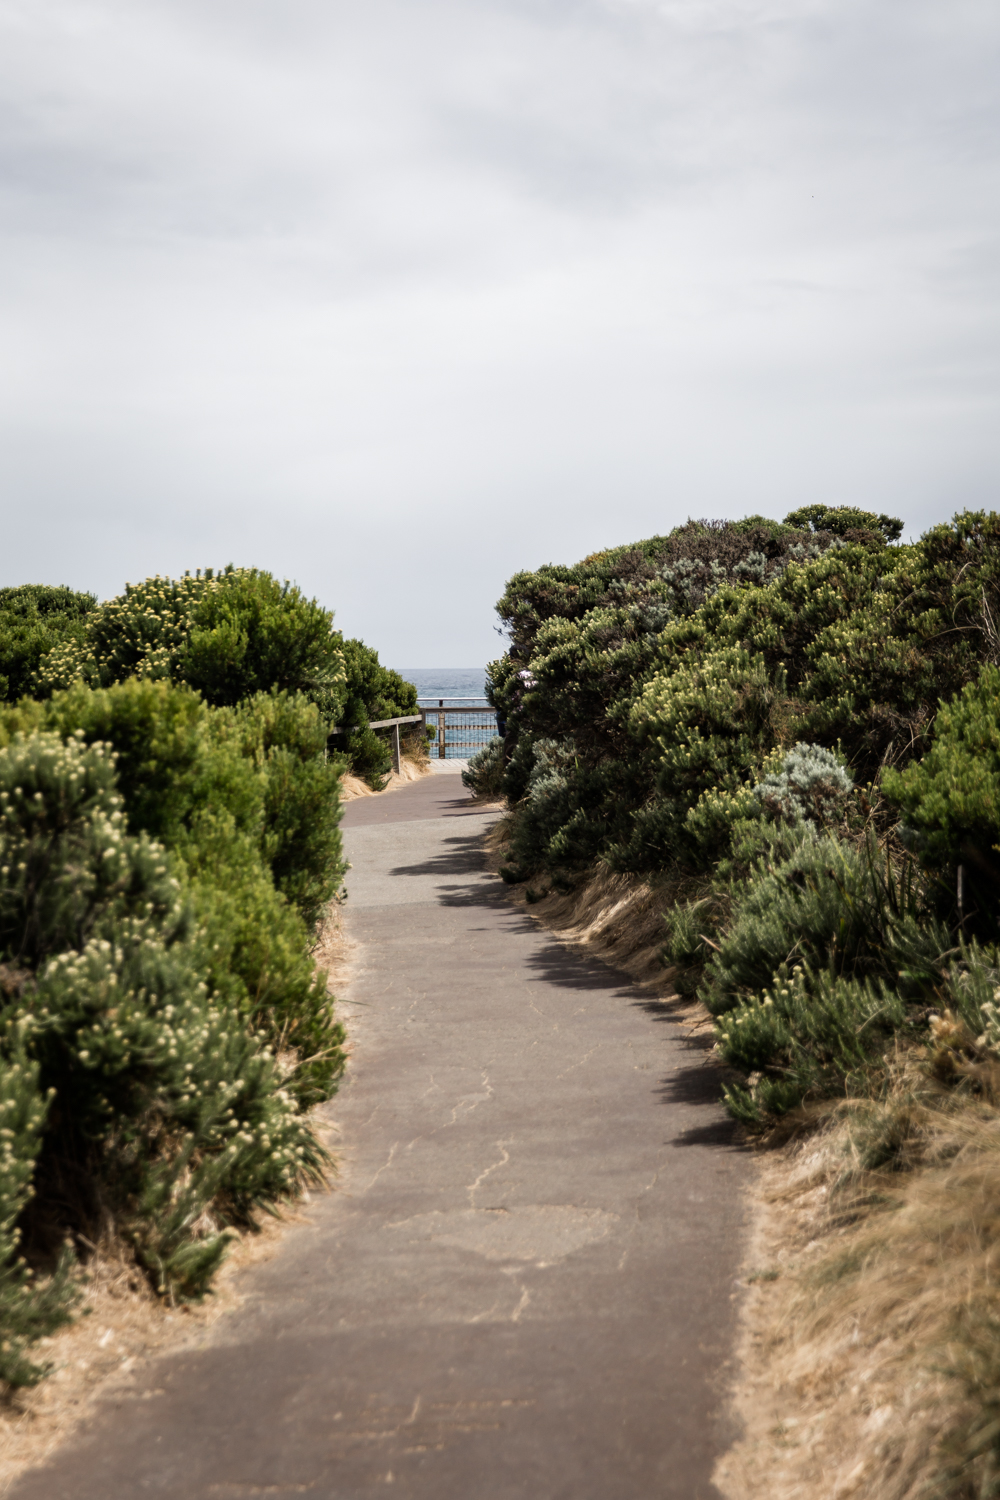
(448, 767)
(523, 1288)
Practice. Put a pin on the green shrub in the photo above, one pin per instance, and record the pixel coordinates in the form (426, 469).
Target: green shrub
(243, 798)
(165, 1103)
(830, 906)
(367, 754)
(30, 1306)
(283, 736)
(33, 620)
(811, 1034)
(679, 665)
(157, 731)
(843, 520)
(255, 948)
(263, 763)
(228, 635)
(372, 692)
(484, 773)
(951, 801)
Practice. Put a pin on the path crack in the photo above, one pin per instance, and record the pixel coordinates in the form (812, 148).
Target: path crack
(504, 1159)
(384, 1168)
(583, 1060)
(471, 1101)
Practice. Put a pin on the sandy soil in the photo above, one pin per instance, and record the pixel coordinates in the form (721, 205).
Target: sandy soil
(410, 770)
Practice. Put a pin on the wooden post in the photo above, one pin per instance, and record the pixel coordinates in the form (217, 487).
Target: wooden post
(441, 729)
(395, 749)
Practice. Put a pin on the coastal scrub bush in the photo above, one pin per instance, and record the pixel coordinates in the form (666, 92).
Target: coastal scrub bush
(808, 1034)
(283, 738)
(484, 773)
(167, 1118)
(950, 800)
(831, 906)
(678, 665)
(31, 1306)
(157, 731)
(229, 635)
(810, 783)
(34, 618)
(372, 692)
(262, 763)
(248, 805)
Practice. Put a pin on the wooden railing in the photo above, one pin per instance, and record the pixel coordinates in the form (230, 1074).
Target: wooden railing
(392, 724)
(475, 715)
(472, 716)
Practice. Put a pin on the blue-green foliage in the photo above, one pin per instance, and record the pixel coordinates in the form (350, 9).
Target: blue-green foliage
(484, 773)
(810, 783)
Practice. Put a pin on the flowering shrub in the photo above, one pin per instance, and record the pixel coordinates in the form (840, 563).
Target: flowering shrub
(162, 1111)
(228, 634)
(33, 620)
(249, 808)
(30, 1306)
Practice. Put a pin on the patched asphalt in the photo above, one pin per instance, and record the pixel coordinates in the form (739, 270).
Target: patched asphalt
(524, 1285)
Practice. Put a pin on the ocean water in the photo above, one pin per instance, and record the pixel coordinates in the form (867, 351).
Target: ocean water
(460, 687)
(455, 685)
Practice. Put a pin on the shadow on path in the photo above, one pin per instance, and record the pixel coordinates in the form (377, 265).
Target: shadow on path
(698, 1084)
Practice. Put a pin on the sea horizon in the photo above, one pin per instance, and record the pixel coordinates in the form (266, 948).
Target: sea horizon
(456, 687)
(454, 684)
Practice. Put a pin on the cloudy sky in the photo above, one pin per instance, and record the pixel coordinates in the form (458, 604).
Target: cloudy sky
(396, 297)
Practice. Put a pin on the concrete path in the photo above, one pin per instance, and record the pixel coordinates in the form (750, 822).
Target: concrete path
(524, 1287)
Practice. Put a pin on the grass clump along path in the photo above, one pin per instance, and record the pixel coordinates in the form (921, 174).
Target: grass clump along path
(169, 845)
(789, 736)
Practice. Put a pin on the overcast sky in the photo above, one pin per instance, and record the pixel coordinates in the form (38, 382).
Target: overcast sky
(396, 297)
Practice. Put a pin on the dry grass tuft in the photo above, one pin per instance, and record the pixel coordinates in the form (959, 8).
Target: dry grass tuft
(871, 1335)
(124, 1324)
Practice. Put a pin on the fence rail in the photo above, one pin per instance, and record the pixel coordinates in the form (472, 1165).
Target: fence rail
(460, 728)
(392, 724)
(467, 727)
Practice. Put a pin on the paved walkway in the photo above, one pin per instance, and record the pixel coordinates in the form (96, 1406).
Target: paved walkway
(523, 1289)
